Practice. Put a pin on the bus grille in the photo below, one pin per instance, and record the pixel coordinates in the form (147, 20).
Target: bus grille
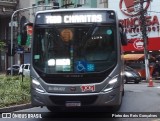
(71, 80)
(85, 100)
(74, 78)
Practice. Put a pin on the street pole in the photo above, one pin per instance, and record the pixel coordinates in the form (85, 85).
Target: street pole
(145, 39)
(23, 9)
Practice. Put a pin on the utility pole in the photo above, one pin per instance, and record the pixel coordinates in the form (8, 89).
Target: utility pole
(145, 38)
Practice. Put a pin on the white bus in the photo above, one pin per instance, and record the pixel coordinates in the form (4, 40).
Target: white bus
(77, 59)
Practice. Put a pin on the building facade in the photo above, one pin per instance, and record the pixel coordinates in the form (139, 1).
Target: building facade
(69, 3)
(129, 15)
(7, 7)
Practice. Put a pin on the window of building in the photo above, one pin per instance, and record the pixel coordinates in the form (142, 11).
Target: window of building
(67, 2)
(81, 2)
(51, 1)
(41, 2)
(13, 1)
(103, 1)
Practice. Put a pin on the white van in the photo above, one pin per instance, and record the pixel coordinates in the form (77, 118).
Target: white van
(25, 69)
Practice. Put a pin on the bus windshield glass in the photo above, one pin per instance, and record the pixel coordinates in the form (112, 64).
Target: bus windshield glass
(74, 47)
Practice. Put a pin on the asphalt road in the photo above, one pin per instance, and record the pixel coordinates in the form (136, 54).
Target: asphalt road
(138, 99)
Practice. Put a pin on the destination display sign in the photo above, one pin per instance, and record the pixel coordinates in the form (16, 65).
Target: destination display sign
(75, 17)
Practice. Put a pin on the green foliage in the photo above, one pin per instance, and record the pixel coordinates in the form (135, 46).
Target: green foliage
(13, 91)
(2, 44)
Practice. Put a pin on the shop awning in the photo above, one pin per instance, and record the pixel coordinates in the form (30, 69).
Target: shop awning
(133, 56)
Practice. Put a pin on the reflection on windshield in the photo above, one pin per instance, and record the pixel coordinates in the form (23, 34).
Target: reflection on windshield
(79, 49)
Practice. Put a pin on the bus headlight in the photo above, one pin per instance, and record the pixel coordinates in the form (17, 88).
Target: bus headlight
(111, 84)
(128, 74)
(37, 86)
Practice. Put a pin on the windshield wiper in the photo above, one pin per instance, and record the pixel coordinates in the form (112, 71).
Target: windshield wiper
(88, 34)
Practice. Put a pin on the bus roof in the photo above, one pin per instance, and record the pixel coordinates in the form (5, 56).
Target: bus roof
(74, 9)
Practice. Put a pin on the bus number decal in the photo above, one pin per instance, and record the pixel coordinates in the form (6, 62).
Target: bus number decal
(86, 88)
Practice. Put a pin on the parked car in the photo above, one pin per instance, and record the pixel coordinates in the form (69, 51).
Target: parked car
(15, 69)
(25, 69)
(140, 68)
(132, 75)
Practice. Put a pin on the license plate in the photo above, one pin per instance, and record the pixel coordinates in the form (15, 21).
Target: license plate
(73, 104)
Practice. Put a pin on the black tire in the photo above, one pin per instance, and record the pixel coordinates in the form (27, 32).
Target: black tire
(136, 81)
(114, 109)
(51, 109)
(117, 107)
(123, 92)
(125, 80)
(55, 109)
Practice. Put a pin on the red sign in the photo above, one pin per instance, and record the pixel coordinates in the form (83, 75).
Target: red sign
(136, 45)
(127, 7)
(86, 88)
(133, 25)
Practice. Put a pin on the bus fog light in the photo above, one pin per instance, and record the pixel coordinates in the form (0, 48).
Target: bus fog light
(111, 84)
(37, 86)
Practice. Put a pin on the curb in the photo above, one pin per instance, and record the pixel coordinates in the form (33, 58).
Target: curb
(155, 81)
(16, 107)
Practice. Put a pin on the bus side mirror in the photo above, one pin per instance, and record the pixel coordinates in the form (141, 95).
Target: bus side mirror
(124, 40)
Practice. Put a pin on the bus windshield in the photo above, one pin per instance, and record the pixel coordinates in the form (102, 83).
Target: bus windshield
(74, 48)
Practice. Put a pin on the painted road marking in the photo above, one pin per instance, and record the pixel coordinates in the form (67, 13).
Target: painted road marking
(157, 87)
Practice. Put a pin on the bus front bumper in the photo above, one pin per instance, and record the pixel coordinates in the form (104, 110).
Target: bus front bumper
(110, 98)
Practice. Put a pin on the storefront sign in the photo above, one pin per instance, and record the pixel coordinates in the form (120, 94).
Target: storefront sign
(129, 12)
